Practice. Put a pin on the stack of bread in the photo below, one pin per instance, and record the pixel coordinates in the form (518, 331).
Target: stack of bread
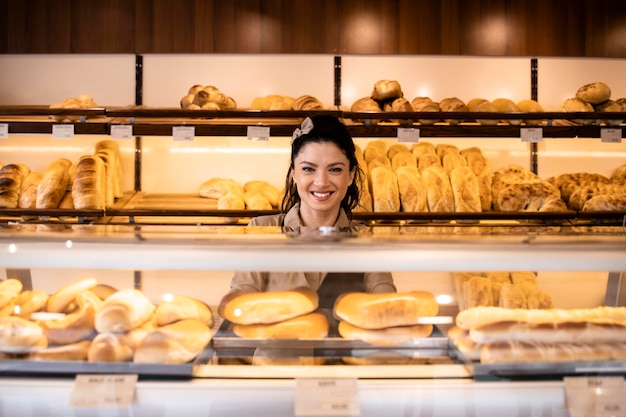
(515, 188)
(201, 97)
(494, 335)
(231, 195)
(83, 101)
(386, 96)
(593, 192)
(386, 319)
(518, 289)
(87, 321)
(592, 97)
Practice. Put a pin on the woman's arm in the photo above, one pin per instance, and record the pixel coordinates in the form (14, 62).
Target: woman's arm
(379, 282)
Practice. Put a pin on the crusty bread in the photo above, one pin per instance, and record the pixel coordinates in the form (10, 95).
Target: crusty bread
(512, 296)
(465, 190)
(308, 326)
(307, 102)
(412, 188)
(70, 352)
(386, 90)
(269, 307)
(619, 175)
(254, 200)
(395, 149)
(216, 187)
(401, 159)
(231, 201)
(422, 147)
(179, 307)
(594, 93)
(385, 193)
(92, 187)
(28, 191)
(378, 311)
(440, 196)
(175, 343)
(123, 311)
(18, 335)
(116, 163)
(270, 192)
(11, 177)
(389, 336)
(606, 203)
(53, 184)
(477, 291)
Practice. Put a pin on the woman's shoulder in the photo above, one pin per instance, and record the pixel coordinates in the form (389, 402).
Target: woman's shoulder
(268, 220)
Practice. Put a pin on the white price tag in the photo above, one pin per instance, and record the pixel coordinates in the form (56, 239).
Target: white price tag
(611, 135)
(92, 390)
(595, 396)
(408, 134)
(4, 130)
(184, 133)
(531, 134)
(258, 133)
(326, 397)
(63, 131)
(121, 131)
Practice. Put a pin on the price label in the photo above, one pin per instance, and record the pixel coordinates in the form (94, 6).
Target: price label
(4, 130)
(326, 397)
(595, 396)
(408, 134)
(93, 390)
(611, 135)
(121, 131)
(63, 131)
(258, 133)
(531, 134)
(184, 133)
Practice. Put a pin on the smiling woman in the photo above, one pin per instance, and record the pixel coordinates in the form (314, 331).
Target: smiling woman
(321, 190)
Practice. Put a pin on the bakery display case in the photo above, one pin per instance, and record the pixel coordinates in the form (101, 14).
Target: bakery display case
(162, 239)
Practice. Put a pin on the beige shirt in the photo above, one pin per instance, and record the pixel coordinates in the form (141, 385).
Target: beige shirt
(253, 281)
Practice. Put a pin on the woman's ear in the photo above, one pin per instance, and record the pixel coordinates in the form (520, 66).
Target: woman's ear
(352, 175)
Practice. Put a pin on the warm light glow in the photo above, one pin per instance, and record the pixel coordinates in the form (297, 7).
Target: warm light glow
(237, 312)
(168, 297)
(263, 150)
(68, 244)
(17, 310)
(444, 299)
(12, 248)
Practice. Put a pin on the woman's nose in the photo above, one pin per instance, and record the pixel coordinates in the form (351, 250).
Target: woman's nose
(321, 178)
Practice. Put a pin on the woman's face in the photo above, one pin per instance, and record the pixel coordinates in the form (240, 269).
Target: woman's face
(322, 175)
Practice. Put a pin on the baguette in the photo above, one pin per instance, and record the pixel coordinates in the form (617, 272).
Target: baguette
(523, 352)
(176, 343)
(71, 352)
(124, 311)
(269, 307)
(412, 189)
(565, 332)
(378, 311)
(389, 336)
(308, 326)
(478, 316)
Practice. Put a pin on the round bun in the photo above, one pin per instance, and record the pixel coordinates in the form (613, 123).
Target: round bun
(18, 335)
(386, 90)
(307, 102)
(594, 93)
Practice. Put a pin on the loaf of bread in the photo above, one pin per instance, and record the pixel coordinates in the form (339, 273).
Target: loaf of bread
(366, 104)
(389, 336)
(606, 203)
(378, 311)
(386, 90)
(530, 106)
(180, 307)
(401, 104)
(594, 93)
(107, 347)
(412, 188)
(61, 299)
(272, 102)
(522, 352)
(71, 352)
(427, 160)
(112, 149)
(307, 102)
(175, 343)
(18, 335)
(619, 175)
(512, 296)
(506, 105)
(308, 326)
(11, 177)
(107, 155)
(465, 190)
(587, 191)
(28, 190)
(425, 104)
(374, 150)
(480, 166)
(270, 192)
(422, 147)
(53, 184)
(451, 160)
(477, 292)
(397, 148)
(385, 193)
(440, 196)
(216, 187)
(464, 343)
(478, 316)
(452, 104)
(90, 187)
(401, 159)
(75, 326)
(269, 307)
(123, 311)
(254, 200)
(30, 301)
(576, 105)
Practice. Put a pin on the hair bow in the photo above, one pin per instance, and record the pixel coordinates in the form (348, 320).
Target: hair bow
(305, 127)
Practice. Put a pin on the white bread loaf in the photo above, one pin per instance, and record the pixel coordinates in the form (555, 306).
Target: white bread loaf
(11, 177)
(175, 343)
(413, 190)
(53, 184)
(524, 352)
(179, 307)
(28, 190)
(90, 187)
(308, 326)
(378, 311)
(268, 307)
(385, 193)
(465, 190)
(125, 310)
(389, 336)
(440, 196)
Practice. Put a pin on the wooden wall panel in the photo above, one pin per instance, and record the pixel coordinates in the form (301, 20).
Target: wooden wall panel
(594, 28)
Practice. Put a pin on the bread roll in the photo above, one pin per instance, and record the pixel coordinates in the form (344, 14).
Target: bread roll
(75, 326)
(268, 190)
(307, 102)
(487, 107)
(11, 177)
(465, 190)
(30, 301)
(61, 299)
(506, 105)
(575, 105)
(403, 159)
(216, 187)
(176, 343)
(366, 104)
(619, 175)
(231, 201)
(378, 311)
(180, 307)
(28, 191)
(269, 307)
(53, 184)
(385, 193)
(307, 326)
(440, 196)
(413, 190)
(10, 288)
(70, 352)
(530, 106)
(390, 336)
(606, 203)
(18, 335)
(401, 104)
(421, 148)
(123, 311)
(254, 200)
(89, 189)
(386, 90)
(594, 93)
(425, 104)
(107, 347)
(452, 104)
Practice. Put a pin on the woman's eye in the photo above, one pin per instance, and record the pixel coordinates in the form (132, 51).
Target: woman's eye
(307, 169)
(336, 170)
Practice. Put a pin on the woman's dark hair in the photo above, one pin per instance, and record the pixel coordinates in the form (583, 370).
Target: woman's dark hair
(321, 129)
